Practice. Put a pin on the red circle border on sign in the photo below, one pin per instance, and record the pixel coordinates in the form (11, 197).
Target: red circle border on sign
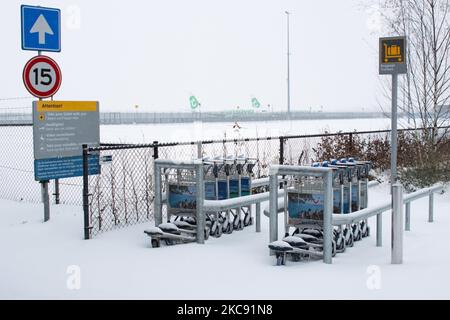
(26, 79)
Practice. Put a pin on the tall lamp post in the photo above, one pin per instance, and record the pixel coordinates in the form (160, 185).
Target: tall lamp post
(288, 68)
(136, 107)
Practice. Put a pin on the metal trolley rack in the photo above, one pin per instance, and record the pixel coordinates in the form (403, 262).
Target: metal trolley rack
(221, 179)
(305, 203)
(309, 203)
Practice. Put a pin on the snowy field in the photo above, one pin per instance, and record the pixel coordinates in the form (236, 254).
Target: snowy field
(147, 133)
(36, 260)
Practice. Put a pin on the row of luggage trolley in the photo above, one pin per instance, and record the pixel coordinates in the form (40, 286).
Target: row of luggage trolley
(223, 178)
(304, 210)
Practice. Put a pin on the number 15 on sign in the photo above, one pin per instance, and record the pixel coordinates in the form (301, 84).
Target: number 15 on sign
(42, 76)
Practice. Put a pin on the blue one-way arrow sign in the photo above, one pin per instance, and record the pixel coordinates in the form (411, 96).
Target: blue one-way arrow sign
(41, 28)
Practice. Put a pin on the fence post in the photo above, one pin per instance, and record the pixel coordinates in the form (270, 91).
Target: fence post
(86, 191)
(155, 150)
(281, 160)
(56, 194)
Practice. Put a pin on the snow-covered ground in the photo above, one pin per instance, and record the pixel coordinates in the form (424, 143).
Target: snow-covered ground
(147, 133)
(37, 261)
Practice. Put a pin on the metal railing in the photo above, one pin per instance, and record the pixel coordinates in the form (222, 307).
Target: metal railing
(378, 210)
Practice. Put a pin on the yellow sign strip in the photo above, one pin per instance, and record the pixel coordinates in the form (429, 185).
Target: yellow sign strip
(66, 106)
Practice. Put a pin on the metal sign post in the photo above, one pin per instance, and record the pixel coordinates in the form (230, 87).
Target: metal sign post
(45, 200)
(397, 224)
(394, 129)
(41, 31)
(393, 62)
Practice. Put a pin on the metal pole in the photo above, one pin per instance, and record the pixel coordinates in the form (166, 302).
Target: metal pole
(288, 69)
(45, 200)
(408, 216)
(380, 229)
(431, 207)
(86, 191)
(155, 150)
(56, 194)
(394, 130)
(158, 201)
(199, 204)
(327, 218)
(157, 204)
(397, 224)
(285, 210)
(258, 217)
(281, 159)
(44, 190)
(199, 150)
(273, 208)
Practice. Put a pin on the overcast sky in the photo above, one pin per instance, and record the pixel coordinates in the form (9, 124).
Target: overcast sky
(155, 54)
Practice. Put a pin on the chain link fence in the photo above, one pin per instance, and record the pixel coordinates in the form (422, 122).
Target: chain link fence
(122, 194)
(17, 169)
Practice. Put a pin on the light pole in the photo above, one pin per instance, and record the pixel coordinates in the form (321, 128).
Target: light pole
(288, 68)
(136, 107)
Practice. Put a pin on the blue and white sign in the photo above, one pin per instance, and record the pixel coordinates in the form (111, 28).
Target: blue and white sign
(41, 28)
(67, 167)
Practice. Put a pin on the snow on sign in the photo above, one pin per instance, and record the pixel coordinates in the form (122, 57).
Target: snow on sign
(41, 28)
(42, 76)
(60, 128)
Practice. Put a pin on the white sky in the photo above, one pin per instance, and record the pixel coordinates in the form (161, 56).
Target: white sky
(156, 53)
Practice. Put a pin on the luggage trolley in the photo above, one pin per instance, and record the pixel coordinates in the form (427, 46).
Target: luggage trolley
(339, 173)
(211, 170)
(181, 190)
(304, 200)
(363, 179)
(239, 184)
(244, 168)
(223, 187)
(181, 193)
(351, 197)
(345, 187)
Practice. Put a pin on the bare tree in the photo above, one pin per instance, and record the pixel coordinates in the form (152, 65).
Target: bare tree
(426, 87)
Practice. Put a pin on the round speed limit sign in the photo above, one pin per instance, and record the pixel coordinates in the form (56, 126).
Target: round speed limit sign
(42, 77)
